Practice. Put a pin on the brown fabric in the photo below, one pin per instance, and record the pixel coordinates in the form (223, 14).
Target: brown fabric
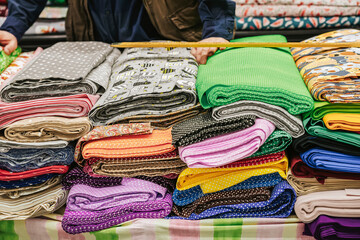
(78, 24)
(175, 20)
(223, 198)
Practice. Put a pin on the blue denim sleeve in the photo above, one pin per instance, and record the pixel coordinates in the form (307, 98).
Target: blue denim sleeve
(22, 14)
(218, 17)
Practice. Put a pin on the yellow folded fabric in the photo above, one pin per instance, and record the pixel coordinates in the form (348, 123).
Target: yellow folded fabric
(342, 121)
(217, 179)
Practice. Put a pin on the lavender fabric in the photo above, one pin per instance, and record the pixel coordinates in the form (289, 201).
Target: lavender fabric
(228, 148)
(92, 209)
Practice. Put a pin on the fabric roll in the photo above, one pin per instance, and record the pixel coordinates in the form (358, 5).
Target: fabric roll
(327, 228)
(33, 205)
(202, 127)
(225, 149)
(331, 74)
(13, 176)
(340, 3)
(321, 109)
(6, 60)
(75, 67)
(223, 198)
(281, 118)
(103, 132)
(20, 160)
(280, 204)
(69, 106)
(29, 190)
(339, 203)
(26, 182)
(303, 186)
(92, 209)
(6, 145)
(330, 160)
(216, 179)
(43, 129)
(260, 74)
(342, 121)
(185, 197)
(307, 142)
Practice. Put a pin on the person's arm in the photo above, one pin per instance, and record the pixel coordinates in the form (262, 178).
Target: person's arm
(218, 17)
(22, 14)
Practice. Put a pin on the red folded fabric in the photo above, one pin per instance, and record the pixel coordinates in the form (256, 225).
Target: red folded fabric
(12, 176)
(301, 170)
(69, 106)
(256, 160)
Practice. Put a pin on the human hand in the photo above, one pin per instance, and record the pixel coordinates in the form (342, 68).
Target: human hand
(201, 54)
(9, 42)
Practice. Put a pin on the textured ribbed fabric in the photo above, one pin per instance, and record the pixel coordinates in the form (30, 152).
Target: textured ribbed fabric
(281, 118)
(13, 176)
(221, 150)
(280, 204)
(202, 127)
(258, 74)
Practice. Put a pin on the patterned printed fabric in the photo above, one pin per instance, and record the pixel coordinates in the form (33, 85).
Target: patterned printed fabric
(216, 179)
(223, 198)
(227, 148)
(20, 160)
(93, 209)
(75, 67)
(259, 74)
(282, 23)
(202, 127)
(148, 81)
(345, 3)
(73, 106)
(34, 205)
(6, 60)
(280, 204)
(281, 118)
(185, 197)
(13, 176)
(26, 182)
(331, 74)
(103, 132)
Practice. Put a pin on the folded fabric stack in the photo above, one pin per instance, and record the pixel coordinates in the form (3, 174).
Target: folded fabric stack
(326, 172)
(296, 14)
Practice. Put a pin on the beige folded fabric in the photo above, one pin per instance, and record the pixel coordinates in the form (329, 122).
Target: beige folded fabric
(340, 203)
(42, 129)
(24, 191)
(304, 186)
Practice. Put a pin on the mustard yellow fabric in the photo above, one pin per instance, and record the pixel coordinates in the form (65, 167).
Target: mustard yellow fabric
(342, 121)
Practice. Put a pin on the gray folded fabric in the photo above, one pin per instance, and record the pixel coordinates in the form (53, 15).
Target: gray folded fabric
(281, 118)
(66, 68)
(148, 81)
(6, 145)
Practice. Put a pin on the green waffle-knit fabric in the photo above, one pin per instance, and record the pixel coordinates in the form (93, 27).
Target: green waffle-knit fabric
(6, 60)
(259, 74)
(323, 108)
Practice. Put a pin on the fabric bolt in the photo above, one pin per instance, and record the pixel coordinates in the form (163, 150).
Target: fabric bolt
(6, 146)
(11, 176)
(327, 228)
(20, 160)
(281, 118)
(303, 186)
(337, 203)
(224, 149)
(26, 182)
(259, 74)
(203, 126)
(280, 204)
(29, 190)
(145, 81)
(188, 196)
(6, 60)
(321, 109)
(216, 179)
(43, 129)
(346, 3)
(103, 132)
(223, 198)
(93, 209)
(293, 23)
(331, 74)
(73, 106)
(33, 205)
(342, 121)
(71, 68)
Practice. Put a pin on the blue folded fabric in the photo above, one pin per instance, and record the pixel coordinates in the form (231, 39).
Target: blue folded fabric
(185, 197)
(329, 160)
(20, 160)
(280, 204)
(26, 182)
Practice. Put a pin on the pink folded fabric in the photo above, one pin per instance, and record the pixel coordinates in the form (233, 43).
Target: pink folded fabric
(228, 148)
(69, 106)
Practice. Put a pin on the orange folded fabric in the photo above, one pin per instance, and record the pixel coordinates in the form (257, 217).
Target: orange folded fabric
(342, 121)
(158, 142)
